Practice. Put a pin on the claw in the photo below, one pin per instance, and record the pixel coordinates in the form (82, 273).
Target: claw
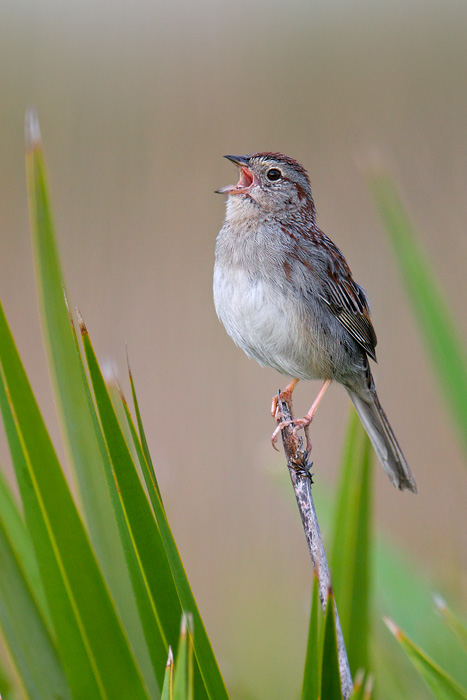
(275, 435)
(274, 405)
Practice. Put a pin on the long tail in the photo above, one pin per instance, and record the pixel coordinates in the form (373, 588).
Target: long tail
(384, 441)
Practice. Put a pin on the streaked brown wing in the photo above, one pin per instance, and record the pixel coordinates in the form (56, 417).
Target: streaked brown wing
(347, 301)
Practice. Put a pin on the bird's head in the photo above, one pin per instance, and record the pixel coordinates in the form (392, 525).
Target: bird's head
(272, 182)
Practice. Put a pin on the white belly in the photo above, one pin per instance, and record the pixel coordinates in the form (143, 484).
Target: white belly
(264, 323)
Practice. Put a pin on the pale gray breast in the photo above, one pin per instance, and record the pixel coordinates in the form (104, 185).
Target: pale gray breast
(278, 319)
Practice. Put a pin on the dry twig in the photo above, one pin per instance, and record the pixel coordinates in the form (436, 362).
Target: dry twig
(299, 469)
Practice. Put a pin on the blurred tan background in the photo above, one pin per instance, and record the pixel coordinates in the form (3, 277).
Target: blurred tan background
(138, 101)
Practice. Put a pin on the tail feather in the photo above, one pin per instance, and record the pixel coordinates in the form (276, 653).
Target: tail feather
(384, 441)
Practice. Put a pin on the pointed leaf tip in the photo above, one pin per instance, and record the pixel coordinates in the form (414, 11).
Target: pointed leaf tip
(368, 687)
(359, 678)
(82, 325)
(108, 372)
(70, 315)
(32, 129)
(127, 359)
(170, 658)
(396, 631)
(66, 299)
(439, 602)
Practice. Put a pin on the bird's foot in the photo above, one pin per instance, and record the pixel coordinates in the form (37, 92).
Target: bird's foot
(301, 422)
(295, 424)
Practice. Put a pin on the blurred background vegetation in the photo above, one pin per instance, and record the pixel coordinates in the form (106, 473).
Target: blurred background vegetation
(138, 102)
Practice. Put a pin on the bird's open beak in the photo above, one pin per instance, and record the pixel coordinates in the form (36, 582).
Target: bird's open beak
(247, 177)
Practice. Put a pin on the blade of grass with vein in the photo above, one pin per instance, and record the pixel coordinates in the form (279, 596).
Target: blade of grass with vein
(350, 561)
(13, 523)
(145, 534)
(88, 633)
(151, 485)
(330, 676)
(132, 613)
(433, 314)
(181, 665)
(142, 434)
(442, 686)
(80, 428)
(203, 652)
(25, 630)
(158, 507)
(311, 680)
(167, 688)
(156, 596)
(171, 577)
(155, 635)
(63, 361)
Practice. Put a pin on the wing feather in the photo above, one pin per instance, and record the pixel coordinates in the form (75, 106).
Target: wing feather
(346, 300)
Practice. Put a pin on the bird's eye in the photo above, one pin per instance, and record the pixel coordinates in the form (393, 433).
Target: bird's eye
(273, 174)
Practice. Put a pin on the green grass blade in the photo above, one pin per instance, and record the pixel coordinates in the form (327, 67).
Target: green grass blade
(431, 310)
(6, 682)
(91, 643)
(405, 593)
(191, 668)
(153, 587)
(330, 677)
(350, 561)
(310, 687)
(25, 630)
(144, 442)
(167, 688)
(157, 504)
(146, 469)
(169, 586)
(147, 560)
(64, 361)
(129, 602)
(181, 665)
(13, 523)
(203, 654)
(78, 421)
(454, 624)
(442, 686)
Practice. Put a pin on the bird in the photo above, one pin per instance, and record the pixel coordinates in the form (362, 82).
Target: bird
(286, 296)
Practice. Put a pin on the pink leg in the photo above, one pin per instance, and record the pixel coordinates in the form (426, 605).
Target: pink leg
(311, 413)
(286, 395)
(303, 422)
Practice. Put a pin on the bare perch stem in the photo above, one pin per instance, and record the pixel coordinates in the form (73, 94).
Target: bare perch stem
(297, 462)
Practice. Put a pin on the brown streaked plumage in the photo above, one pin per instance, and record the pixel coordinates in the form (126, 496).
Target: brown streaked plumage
(286, 295)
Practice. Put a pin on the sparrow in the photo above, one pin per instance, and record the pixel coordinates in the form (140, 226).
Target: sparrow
(285, 295)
